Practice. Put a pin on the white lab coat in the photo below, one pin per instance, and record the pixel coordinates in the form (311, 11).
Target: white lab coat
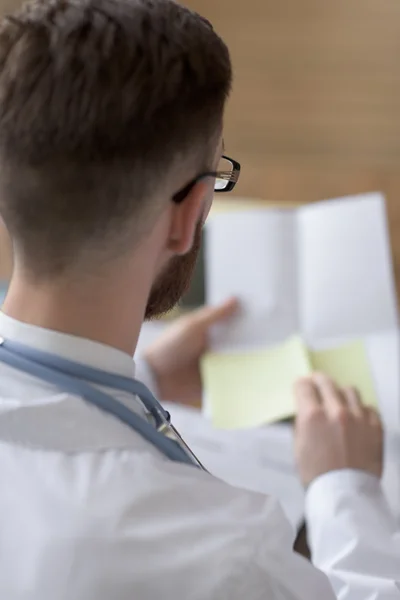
(91, 511)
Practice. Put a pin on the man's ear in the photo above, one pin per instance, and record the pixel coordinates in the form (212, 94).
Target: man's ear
(185, 217)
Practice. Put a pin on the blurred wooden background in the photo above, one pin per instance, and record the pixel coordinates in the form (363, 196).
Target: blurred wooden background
(315, 110)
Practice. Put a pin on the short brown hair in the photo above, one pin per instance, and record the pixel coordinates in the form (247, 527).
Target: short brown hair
(99, 99)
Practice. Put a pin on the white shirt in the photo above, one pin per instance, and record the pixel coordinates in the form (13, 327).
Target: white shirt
(91, 511)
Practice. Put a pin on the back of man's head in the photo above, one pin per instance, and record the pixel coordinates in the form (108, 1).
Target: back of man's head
(102, 104)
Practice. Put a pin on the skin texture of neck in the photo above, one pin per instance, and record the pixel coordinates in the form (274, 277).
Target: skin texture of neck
(107, 307)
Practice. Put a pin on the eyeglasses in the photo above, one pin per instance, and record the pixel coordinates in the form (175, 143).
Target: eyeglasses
(226, 178)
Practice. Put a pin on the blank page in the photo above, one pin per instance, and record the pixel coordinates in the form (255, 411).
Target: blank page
(346, 284)
(251, 255)
(384, 356)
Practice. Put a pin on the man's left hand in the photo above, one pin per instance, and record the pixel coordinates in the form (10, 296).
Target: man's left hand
(175, 356)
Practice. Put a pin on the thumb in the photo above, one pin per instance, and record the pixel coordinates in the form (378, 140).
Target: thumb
(211, 315)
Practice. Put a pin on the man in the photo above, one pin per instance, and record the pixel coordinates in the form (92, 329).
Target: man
(110, 140)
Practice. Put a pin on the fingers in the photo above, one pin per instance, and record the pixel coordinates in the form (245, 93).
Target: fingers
(320, 391)
(211, 315)
(332, 397)
(307, 396)
(336, 401)
(353, 400)
(373, 417)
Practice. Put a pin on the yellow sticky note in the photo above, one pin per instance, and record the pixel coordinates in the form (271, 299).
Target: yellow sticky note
(347, 365)
(253, 388)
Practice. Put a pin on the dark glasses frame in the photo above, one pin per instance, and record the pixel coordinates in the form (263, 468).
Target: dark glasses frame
(231, 177)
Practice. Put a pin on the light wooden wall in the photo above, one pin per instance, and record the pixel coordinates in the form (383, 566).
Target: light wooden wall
(315, 110)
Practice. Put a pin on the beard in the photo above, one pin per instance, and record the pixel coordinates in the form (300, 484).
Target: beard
(174, 280)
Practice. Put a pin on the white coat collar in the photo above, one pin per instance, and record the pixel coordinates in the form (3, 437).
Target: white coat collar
(67, 346)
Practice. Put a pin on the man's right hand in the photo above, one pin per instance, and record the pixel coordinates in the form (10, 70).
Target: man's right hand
(334, 430)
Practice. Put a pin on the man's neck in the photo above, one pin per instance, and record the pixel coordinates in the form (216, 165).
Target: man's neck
(107, 311)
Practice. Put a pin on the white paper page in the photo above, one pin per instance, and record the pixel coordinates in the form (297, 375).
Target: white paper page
(391, 472)
(251, 255)
(346, 284)
(384, 354)
(260, 460)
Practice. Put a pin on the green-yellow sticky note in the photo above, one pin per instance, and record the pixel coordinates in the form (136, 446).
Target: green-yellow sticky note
(253, 388)
(250, 389)
(347, 365)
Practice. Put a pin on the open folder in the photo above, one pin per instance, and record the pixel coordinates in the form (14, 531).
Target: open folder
(253, 388)
(306, 278)
(323, 271)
